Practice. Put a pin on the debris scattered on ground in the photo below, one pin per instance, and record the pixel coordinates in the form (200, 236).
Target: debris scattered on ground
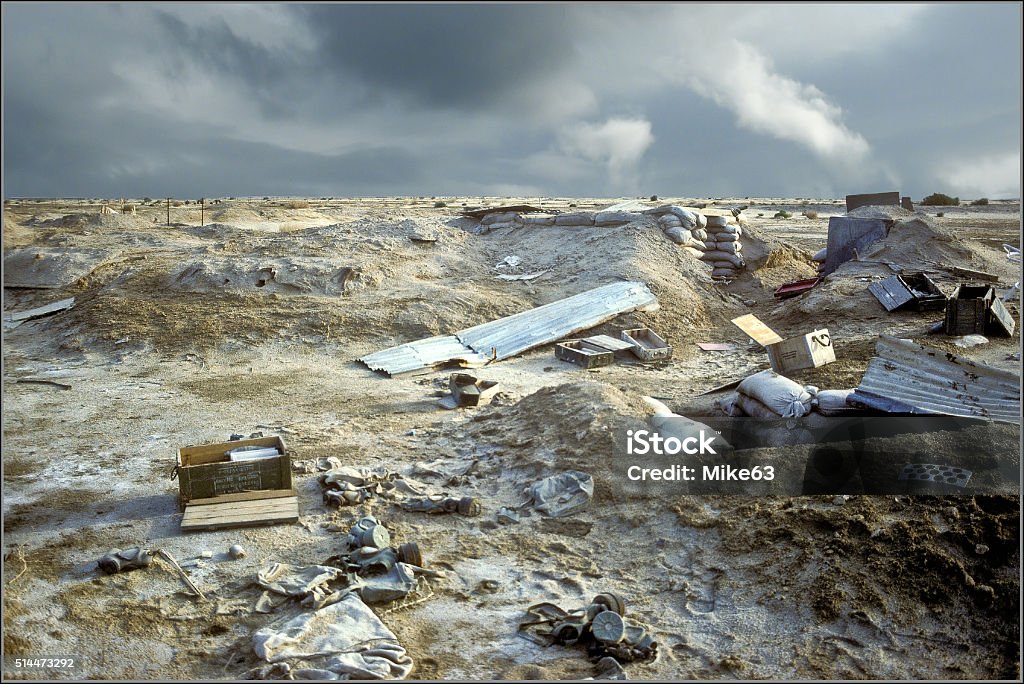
(116, 560)
(811, 350)
(560, 495)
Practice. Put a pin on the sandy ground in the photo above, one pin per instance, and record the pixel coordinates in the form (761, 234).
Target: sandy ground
(184, 334)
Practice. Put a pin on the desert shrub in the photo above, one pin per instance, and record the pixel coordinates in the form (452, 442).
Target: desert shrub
(783, 215)
(654, 198)
(573, 204)
(980, 202)
(941, 214)
(176, 203)
(295, 204)
(811, 214)
(937, 199)
(760, 215)
(439, 204)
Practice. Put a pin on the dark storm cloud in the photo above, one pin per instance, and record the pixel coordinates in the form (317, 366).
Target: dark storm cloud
(444, 55)
(112, 100)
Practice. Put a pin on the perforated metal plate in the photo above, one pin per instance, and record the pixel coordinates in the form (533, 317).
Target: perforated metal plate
(930, 472)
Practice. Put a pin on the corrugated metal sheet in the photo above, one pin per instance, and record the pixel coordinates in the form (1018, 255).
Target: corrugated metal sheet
(423, 354)
(517, 333)
(910, 378)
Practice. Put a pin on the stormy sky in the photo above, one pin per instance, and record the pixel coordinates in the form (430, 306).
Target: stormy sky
(547, 100)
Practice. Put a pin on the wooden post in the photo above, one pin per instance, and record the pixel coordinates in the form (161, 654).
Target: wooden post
(168, 212)
(202, 211)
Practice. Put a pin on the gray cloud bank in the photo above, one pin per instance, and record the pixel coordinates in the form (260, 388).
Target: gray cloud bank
(349, 100)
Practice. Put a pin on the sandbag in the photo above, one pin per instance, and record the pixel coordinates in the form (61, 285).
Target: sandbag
(723, 264)
(821, 255)
(700, 234)
(537, 220)
(688, 218)
(726, 237)
(499, 217)
(730, 405)
(718, 255)
(729, 228)
(753, 408)
(693, 251)
(669, 221)
(783, 396)
(718, 221)
(680, 236)
(615, 218)
(731, 247)
(702, 220)
(576, 219)
(667, 424)
(710, 244)
(503, 224)
(729, 272)
(833, 402)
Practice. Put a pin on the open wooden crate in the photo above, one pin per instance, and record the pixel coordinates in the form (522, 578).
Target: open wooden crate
(647, 344)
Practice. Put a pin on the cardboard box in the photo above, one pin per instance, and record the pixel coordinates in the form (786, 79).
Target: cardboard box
(811, 350)
(205, 473)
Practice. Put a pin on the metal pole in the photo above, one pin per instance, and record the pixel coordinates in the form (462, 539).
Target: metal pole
(168, 212)
(202, 211)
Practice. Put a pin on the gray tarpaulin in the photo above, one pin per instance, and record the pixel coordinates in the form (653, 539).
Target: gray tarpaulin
(345, 640)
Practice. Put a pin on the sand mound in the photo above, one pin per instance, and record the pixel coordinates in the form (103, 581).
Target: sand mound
(566, 427)
(294, 276)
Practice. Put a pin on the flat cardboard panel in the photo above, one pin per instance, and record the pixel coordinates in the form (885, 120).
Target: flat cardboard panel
(757, 330)
(848, 235)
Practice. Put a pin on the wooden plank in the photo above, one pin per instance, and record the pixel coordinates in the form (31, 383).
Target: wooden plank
(214, 453)
(609, 342)
(236, 507)
(891, 292)
(244, 496)
(980, 275)
(45, 310)
(276, 511)
(756, 330)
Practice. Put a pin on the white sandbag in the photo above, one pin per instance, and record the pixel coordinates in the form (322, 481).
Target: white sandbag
(729, 228)
(507, 224)
(723, 264)
(659, 211)
(753, 408)
(730, 405)
(699, 234)
(821, 255)
(718, 255)
(499, 217)
(731, 247)
(537, 220)
(783, 396)
(577, 219)
(615, 218)
(688, 217)
(670, 424)
(833, 402)
(710, 244)
(680, 236)
(718, 221)
(726, 237)
(669, 221)
(729, 272)
(702, 220)
(693, 251)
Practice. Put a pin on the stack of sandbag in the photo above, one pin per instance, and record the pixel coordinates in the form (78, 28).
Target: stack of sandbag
(770, 395)
(574, 219)
(535, 219)
(497, 220)
(722, 246)
(615, 218)
(682, 226)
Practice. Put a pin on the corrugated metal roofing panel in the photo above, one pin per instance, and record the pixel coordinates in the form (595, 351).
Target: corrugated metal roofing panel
(517, 333)
(423, 354)
(911, 378)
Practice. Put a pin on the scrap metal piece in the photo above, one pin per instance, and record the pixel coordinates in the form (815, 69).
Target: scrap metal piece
(931, 472)
(116, 560)
(911, 378)
(608, 627)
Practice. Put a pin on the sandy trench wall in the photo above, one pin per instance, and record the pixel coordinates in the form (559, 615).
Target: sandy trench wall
(714, 239)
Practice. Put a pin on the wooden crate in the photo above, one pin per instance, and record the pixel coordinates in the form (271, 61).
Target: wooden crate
(204, 471)
(967, 311)
(241, 510)
(911, 290)
(647, 344)
(584, 353)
